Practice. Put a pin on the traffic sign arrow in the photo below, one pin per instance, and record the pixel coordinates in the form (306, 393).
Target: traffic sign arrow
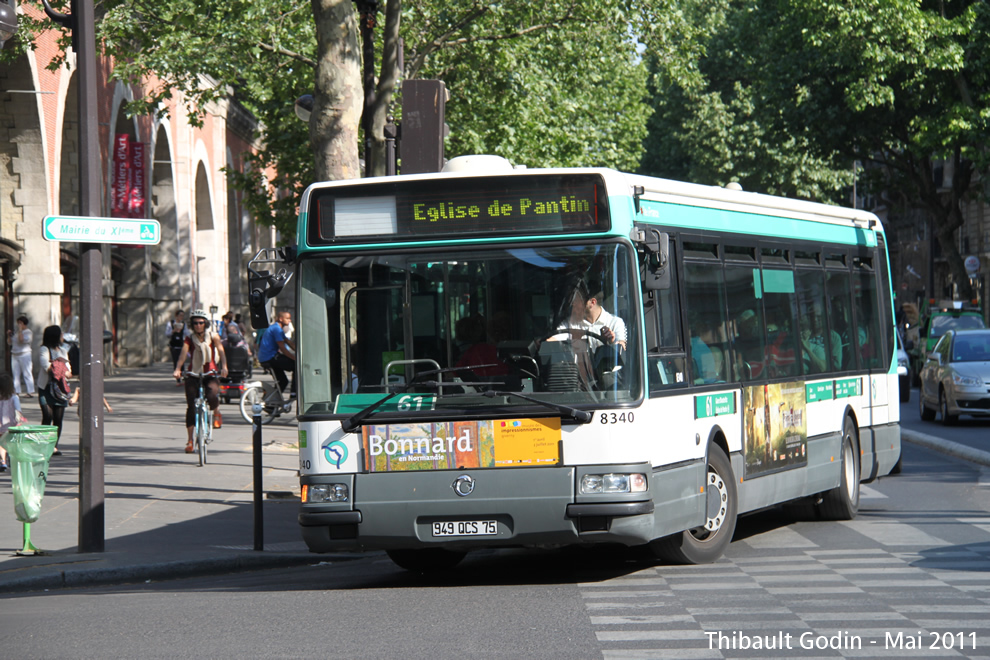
(82, 229)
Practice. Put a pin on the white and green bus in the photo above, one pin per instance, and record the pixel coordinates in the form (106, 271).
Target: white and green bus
(491, 356)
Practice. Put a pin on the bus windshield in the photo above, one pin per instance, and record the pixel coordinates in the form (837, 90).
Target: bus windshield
(555, 324)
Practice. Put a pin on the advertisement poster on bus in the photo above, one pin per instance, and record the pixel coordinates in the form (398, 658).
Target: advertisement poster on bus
(461, 445)
(775, 431)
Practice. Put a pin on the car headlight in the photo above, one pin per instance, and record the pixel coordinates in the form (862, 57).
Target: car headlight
(968, 381)
(316, 493)
(593, 484)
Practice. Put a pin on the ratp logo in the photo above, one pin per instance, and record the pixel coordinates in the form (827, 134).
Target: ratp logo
(335, 452)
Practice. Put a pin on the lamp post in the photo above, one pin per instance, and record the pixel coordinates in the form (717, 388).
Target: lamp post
(92, 513)
(8, 22)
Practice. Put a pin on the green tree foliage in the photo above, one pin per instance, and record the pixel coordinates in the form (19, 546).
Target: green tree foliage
(543, 84)
(571, 93)
(785, 96)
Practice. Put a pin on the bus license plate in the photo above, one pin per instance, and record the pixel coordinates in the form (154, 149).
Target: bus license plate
(465, 528)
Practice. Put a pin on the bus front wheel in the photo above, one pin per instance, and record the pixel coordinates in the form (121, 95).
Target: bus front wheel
(426, 560)
(705, 544)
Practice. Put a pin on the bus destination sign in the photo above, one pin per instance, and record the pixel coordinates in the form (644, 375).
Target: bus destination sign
(459, 207)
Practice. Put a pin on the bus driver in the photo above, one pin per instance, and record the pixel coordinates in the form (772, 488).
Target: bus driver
(588, 315)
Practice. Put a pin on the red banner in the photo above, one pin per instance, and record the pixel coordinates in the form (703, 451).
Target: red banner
(120, 191)
(137, 201)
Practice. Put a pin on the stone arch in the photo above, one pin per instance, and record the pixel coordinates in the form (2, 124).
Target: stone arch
(209, 264)
(29, 265)
(129, 310)
(171, 259)
(68, 149)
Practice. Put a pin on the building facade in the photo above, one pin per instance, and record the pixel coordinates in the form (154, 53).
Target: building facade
(176, 177)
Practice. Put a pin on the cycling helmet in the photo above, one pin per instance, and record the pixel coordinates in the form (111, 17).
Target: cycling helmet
(198, 313)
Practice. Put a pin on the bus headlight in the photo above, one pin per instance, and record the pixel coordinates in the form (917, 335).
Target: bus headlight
(316, 493)
(593, 484)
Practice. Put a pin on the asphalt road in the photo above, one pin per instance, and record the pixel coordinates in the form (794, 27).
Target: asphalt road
(970, 431)
(916, 561)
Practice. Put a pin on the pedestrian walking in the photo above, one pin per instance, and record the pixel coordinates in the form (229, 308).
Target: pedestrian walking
(52, 409)
(20, 357)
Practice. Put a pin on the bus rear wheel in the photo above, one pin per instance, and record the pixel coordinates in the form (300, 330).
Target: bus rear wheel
(705, 544)
(426, 560)
(842, 502)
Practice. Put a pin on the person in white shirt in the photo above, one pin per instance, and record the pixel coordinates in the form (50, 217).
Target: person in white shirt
(589, 328)
(588, 315)
(20, 357)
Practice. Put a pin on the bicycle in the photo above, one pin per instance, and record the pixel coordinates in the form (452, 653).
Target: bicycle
(269, 395)
(203, 429)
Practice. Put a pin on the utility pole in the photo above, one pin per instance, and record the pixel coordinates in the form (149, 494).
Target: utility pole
(92, 515)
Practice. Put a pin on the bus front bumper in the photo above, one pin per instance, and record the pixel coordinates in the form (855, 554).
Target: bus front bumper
(513, 507)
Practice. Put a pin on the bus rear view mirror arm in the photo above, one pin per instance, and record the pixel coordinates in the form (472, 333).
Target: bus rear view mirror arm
(656, 246)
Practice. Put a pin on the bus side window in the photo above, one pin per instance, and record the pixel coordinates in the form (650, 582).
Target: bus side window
(705, 296)
(869, 346)
(780, 304)
(820, 348)
(840, 316)
(745, 323)
(666, 361)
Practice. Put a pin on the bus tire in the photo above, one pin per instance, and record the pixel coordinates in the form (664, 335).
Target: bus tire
(842, 502)
(426, 560)
(705, 544)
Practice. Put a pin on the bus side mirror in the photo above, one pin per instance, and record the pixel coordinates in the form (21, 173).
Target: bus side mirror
(257, 304)
(656, 276)
(264, 285)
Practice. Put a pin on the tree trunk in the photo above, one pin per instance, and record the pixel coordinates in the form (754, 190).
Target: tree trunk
(333, 126)
(947, 240)
(386, 86)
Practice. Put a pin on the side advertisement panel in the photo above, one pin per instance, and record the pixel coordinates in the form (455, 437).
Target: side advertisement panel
(775, 431)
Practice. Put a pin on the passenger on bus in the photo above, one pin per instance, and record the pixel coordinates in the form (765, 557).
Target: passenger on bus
(748, 346)
(816, 355)
(780, 349)
(702, 356)
(482, 339)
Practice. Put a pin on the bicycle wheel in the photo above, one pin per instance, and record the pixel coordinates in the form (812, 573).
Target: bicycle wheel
(200, 431)
(204, 446)
(257, 395)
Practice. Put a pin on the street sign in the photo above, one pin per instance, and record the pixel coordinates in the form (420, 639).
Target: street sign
(80, 229)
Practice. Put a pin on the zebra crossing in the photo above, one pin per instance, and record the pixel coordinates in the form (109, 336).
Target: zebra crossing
(893, 589)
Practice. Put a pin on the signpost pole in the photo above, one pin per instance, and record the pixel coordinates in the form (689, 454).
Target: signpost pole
(91, 459)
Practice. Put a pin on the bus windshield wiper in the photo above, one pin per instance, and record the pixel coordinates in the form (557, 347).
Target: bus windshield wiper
(582, 416)
(352, 423)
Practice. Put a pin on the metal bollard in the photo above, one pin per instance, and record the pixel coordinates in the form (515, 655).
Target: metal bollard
(259, 511)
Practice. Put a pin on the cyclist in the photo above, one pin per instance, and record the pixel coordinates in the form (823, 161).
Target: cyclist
(277, 352)
(204, 344)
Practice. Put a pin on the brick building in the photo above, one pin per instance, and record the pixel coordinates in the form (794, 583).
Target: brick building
(207, 236)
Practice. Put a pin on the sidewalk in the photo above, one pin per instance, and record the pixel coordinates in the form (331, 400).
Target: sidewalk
(165, 517)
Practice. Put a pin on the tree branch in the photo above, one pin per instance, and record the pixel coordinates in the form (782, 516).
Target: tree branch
(444, 41)
(288, 53)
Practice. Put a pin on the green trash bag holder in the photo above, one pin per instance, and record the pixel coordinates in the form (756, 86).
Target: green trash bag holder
(28, 447)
